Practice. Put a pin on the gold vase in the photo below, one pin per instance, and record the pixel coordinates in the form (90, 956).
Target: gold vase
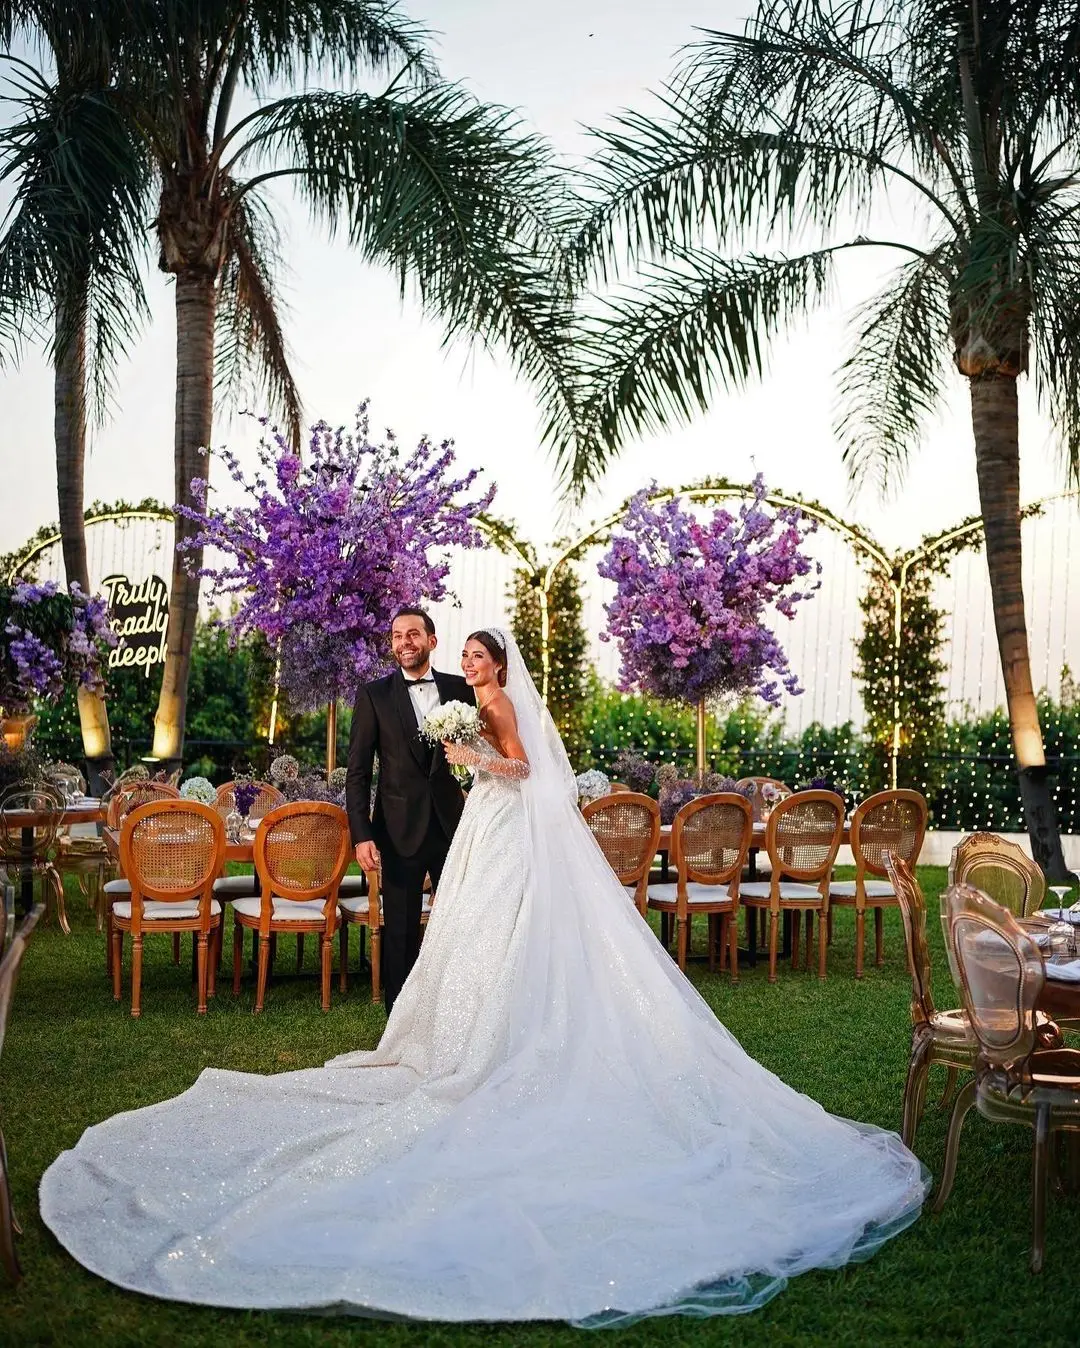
(17, 731)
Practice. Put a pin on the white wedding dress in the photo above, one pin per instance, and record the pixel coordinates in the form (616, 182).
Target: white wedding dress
(554, 1125)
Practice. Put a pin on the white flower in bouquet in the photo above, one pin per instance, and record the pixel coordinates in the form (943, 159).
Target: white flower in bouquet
(770, 793)
(592, 785)
(200, 789)
(452, 723)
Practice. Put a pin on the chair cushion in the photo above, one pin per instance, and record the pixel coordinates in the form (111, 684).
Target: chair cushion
(154, 910)
(953, 1025)
(353, 884)
(875, 889)
(789, 889)
(285, 910)
(353, 903)
(117, 887)
(239, 886)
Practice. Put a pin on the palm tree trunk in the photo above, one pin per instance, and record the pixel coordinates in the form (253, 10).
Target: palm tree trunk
(995, 422)
(69, 429)
(195, 307)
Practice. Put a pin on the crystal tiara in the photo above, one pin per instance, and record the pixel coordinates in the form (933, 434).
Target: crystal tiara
(496, 636)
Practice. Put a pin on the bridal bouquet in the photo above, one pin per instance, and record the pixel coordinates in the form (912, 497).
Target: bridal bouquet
(451, 723)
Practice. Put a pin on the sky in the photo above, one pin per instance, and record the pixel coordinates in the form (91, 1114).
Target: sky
(563, 65)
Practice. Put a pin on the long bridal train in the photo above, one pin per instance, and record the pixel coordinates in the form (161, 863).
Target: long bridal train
(554, 1126)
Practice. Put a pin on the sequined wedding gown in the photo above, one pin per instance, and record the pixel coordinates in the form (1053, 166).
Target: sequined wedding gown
(554, 1125)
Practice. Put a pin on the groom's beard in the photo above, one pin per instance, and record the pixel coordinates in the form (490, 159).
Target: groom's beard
(412, 662)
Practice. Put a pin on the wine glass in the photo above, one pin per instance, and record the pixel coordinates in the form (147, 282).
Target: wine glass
(1060, 891)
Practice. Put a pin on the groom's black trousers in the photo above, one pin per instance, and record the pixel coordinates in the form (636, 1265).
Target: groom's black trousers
(403, 889)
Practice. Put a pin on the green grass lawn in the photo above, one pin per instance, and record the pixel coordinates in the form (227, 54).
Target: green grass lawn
(73, 1057)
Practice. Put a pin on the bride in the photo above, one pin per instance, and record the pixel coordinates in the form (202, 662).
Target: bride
(554, 1125)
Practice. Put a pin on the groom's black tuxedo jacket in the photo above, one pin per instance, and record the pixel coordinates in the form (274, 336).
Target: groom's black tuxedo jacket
(414, 778)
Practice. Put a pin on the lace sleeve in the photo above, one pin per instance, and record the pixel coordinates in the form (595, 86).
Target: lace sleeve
(492, 762)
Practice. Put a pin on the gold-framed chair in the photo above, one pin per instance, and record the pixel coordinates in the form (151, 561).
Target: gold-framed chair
(710, 840)
(9, 973)
(363, 910)
(627, 827)
(888, 821)
(28, 851)
(170, 852)
(301, 852)
(938, 1038)
(1017, 1079)
(802, 838)
(1001, 869)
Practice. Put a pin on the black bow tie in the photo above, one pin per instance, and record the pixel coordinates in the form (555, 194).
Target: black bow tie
(414, 682)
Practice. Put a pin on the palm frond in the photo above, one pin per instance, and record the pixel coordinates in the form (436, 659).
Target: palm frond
(894, 377)
(656, 356)
(465, 209)
(1054, 255)
(76, 226)
(250, 350)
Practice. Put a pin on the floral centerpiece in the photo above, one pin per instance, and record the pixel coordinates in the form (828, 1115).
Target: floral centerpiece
(245, 794)
(592, 785)
(328, 547)
(634, 770)
(689, 613)
(200, 789)
(49, 640)
(676, 791)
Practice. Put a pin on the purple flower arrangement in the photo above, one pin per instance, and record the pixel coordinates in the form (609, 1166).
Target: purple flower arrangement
(327, 548)
(245, 794)
(692, 595)
(676, 791)
(633, 770)
(49, 640)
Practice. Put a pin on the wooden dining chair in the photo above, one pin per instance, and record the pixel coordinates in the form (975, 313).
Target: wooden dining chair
(627, 827)
(710, 839)
(802, 839)
(301, 852)
(10, 964)
(888, 821)
(170, 852)
(128, 797)
(269, 798)
(1017, 1080)
(1001, 869)
(363, 911)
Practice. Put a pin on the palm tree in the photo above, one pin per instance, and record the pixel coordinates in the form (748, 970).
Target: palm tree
(443, 190)
(789, 135)
(70, 249)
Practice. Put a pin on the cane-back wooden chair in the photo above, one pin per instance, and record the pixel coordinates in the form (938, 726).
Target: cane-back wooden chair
(133, 793)
(710, 839)
(28, 849)
(301, 852)
(802, 839)
(889, 821)
(170, 851)
(938, 1038)
(627, 827)
(364, 911)
(1001, 869)
(1017, 1079)
(9, 972)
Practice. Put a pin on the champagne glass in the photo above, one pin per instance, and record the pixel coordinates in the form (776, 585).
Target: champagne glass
(1060, 891)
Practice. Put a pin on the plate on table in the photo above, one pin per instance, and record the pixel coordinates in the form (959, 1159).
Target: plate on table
(1060, 915)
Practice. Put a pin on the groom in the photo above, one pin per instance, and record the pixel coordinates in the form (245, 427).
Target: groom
(417, 801)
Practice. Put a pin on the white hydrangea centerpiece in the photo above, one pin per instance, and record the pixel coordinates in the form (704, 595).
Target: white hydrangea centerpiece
(451, 723)
(592, 785)
(200, 789)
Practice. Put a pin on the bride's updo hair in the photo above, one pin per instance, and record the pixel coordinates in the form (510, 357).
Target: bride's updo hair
(494, 650)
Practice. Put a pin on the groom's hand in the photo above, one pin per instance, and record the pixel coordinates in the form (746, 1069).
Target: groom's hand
(367, 856)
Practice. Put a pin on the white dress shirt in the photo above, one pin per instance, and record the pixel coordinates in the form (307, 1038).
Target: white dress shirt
(424, 695)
